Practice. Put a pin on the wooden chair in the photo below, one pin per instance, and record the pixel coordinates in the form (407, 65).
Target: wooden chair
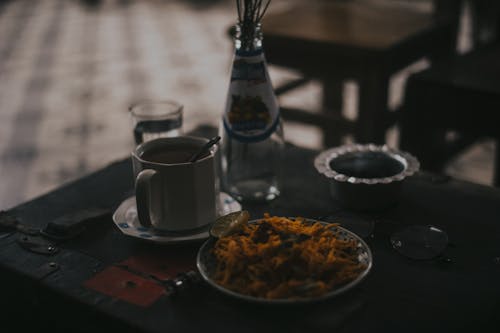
(332, 41)
(461, 95)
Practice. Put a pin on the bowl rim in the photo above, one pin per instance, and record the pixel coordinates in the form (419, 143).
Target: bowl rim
(322, 163)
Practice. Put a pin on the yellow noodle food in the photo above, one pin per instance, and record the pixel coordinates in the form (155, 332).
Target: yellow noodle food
(280, 258)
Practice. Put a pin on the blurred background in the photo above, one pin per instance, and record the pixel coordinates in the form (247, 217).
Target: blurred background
(70, 69)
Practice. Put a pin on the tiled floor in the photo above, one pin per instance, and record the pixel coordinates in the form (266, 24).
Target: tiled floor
(69, 70)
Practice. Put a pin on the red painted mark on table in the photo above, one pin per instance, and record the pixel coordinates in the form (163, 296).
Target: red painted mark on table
(134, 280)
(119, 283)
(161, 267)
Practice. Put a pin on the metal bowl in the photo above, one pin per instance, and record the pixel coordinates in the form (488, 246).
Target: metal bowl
(365, 177)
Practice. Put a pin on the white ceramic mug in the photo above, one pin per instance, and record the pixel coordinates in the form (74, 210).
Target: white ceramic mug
(172, 193)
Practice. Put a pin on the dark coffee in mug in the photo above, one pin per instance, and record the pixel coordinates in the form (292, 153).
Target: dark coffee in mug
(170, 155)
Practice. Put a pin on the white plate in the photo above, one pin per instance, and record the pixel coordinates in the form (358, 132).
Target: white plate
(125, 218)
(206, 262)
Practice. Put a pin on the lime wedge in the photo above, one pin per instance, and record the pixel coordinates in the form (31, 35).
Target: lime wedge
(228, 224)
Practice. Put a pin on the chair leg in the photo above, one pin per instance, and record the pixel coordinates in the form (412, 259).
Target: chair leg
(425, 143)
(496, 165)
(332, 103)
(485, 21)
(372, 112)
(448, 11)
(416, 134)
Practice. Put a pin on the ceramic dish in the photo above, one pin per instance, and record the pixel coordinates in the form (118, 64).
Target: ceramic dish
(125, 218)
(206, 265)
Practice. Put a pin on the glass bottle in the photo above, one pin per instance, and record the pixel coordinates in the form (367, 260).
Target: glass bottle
(252, 144)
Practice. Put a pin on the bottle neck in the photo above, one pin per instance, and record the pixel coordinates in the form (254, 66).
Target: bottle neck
(248, 39)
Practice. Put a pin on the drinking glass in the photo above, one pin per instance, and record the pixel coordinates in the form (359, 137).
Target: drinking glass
(156, 119)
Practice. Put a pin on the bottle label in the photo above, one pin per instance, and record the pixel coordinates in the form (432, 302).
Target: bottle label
(252, 111)
(247, 71)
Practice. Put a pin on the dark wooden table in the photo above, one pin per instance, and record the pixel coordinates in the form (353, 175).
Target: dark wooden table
(399, 294)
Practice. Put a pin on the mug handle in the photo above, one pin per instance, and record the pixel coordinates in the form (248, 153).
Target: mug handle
(143, 196)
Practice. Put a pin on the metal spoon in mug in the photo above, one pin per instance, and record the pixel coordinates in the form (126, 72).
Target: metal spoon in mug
(204, 149)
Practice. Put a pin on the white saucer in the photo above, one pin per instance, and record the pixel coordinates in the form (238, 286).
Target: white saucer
(125, 218)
